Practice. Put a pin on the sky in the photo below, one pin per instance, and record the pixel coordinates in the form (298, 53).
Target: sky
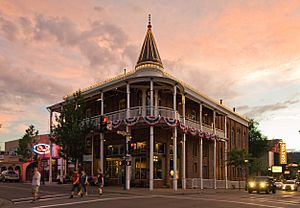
(244, 52)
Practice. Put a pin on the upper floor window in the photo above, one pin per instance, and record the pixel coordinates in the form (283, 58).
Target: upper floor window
(232, 136)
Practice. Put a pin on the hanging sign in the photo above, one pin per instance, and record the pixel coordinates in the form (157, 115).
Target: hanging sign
(41, 149)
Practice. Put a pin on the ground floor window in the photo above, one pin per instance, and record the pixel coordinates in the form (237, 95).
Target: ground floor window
(140, 168)
(112, 167)
(158, 167)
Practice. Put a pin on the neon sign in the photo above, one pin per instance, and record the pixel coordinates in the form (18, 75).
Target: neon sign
(41, 149)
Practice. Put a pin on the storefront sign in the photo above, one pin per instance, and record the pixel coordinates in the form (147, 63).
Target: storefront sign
(283, 154)
(41, 149)
(87, 158)
(276, 169)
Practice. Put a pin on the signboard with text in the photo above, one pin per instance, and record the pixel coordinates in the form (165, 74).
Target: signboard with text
(282, 153)
(276, 169)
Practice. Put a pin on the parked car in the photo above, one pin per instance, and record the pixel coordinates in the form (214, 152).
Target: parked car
(278, 185)
(262, 183)
(289, 185)
(9, 175)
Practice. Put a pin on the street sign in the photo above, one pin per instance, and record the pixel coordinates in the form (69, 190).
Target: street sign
(123, 133)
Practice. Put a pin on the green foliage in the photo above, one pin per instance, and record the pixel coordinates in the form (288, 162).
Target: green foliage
(70, 132)
(237, 158)
(25, 144)
(258, 144)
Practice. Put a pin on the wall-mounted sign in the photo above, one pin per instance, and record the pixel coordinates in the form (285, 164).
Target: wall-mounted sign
(282, 153)
(41, 149)
(276, 169)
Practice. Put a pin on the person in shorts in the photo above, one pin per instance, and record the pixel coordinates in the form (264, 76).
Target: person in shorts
(36, 182)
(75, 183)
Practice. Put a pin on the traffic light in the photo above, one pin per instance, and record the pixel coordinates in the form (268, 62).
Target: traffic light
(103, 124)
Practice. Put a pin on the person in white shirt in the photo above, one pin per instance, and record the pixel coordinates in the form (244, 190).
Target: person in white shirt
(36, 182)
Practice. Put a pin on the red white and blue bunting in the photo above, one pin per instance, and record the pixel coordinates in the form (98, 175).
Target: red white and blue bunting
(193, 131)
(183, 127)
(116, 124)
(152, 120)
(172, 122)
(131, 121)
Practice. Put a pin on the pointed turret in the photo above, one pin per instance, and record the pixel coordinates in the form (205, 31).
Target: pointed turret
(149, 56)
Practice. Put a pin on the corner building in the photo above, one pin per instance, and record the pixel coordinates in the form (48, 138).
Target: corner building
(175, 135)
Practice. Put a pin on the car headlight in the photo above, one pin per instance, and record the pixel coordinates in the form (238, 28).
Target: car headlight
(293, 187)
(251, 184)
(283, 187)
(262, 184)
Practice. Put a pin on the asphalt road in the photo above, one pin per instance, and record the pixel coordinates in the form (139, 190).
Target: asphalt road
(18, 195)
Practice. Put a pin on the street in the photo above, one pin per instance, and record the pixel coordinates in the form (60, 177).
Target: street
(54, 195)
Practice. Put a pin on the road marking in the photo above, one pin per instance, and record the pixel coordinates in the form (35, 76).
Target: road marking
(223, 200)
(27, 189)
(42, 197)
(97, 200)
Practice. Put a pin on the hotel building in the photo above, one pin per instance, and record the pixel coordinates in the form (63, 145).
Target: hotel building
(175, 136)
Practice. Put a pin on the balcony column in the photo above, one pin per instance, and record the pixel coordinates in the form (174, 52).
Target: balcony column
(201, 150)
(128, 133)
(183, 146)
(151, 140)
(50, 142)
(102, 136)
(144, 95)
(225, 155)
(156, 103)
(175, 142)
(215, 150)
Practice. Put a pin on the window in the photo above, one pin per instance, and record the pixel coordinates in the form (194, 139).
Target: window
(112, 167)
(238, 139)
(160, 148)
(140, 168)
(195, 168)
(158, 167)
(205, 172)
(205, 149)
(114, 150)
(232, 136)
(195, 149)
(137, 148)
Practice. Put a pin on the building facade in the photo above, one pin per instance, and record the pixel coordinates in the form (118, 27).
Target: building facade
(170, 134)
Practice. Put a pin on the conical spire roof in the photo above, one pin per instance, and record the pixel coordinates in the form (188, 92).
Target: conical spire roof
(149, 56)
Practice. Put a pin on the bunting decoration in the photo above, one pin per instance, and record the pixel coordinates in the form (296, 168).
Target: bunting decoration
(183, 127)
(172, 122)
(152, 120)
(193, 131)
(131, 121)
(201, 134)
(116, 124)
(207, 135)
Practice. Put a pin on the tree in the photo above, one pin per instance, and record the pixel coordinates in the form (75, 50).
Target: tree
(239, 159)
(258, 146)
(70, 131)
(26, 143)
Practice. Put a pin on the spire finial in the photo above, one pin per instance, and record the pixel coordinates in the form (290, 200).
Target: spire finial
(149, 21)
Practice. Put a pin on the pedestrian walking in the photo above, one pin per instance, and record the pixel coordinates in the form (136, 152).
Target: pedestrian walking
(36, 183)
(75, 183)
(100, 181)
(83, 183)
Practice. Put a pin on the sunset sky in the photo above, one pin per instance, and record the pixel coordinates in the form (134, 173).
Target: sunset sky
(244, 52)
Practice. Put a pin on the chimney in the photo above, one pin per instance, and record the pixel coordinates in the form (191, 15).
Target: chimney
(124, 71)
(221, 101)
(234, 109)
